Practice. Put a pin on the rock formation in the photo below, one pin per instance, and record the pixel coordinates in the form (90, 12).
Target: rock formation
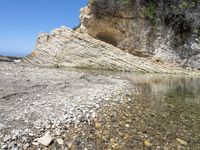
(128, 35)
(167, 30)
(64, 47)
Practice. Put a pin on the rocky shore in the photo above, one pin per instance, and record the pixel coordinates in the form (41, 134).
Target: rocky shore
(9, 59)
(59, 108)
(51, 100)
(37, 102)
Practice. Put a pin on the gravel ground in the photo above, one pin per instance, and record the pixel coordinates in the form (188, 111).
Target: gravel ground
(36, 100)
(48, 108)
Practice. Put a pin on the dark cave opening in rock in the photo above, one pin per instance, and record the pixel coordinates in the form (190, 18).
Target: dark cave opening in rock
(106, 38)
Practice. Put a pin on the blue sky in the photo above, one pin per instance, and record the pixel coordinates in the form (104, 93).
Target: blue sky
(22, 20)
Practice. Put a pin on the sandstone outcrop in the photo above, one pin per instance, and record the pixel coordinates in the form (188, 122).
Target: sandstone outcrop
(157, 29)
(126, 35)
(64, 47)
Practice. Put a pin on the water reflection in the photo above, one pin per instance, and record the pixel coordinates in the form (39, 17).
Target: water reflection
(185, 88)
(165, 115)
(175, 101)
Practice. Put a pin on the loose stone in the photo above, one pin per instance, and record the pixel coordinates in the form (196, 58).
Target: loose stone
(182, 142)
(147, 143)
(60, 141)
(46, 139)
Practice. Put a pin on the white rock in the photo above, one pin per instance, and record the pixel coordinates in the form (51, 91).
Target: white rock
(6, 138)
(57, 133)
(195, 46)
(46, 139)
(127, 125)
(1, 125)
(17, 61)
(31, 134)
(35, 143)
(26, 146)
(4, 146)
(60, 141)
(93, 115)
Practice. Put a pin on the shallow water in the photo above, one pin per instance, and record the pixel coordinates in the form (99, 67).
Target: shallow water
(165, 115)
(167, 109)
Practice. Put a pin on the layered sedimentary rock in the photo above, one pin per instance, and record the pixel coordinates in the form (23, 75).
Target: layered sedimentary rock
(128, 35)
(158, 29)
(64, 47)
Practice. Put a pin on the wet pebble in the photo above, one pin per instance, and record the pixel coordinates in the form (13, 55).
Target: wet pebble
(182, 142)
(147, 143)
(97, 125)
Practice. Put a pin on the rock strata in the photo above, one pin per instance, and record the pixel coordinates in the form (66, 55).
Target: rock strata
(165, 30)
(66, 48)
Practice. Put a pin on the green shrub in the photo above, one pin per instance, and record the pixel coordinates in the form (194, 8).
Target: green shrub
(76, 27)
(150, 10)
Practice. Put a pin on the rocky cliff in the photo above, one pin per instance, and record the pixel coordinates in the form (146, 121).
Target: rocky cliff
(163, 30)
(128, 35)
(64, 47)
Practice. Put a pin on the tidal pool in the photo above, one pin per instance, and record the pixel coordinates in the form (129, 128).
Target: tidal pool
(164, 115)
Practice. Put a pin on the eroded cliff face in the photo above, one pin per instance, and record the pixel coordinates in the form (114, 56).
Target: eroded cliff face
(117, 23)
(163, 30)
(126, 35)
(64, 47)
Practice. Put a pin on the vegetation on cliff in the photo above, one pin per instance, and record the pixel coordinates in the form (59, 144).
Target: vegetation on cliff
(165, 29)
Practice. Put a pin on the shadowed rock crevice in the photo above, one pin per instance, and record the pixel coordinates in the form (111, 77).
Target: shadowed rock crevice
(106, 38)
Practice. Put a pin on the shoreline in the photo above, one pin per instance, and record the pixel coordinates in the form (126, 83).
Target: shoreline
(80, 109)
(9, 58)
(36, 100)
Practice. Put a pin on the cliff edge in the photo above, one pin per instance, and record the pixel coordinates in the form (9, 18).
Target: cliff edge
(167, 31)
(126, 35)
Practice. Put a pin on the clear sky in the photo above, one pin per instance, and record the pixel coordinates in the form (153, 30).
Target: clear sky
(22, 20)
